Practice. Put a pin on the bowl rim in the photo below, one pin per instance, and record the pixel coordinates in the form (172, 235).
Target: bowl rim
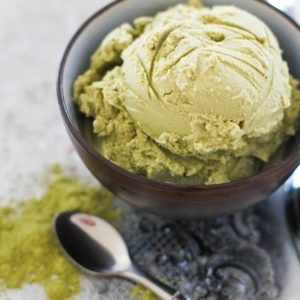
(292, 158)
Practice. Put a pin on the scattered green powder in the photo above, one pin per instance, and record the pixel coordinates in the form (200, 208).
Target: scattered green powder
(141, 293)
(28, 250)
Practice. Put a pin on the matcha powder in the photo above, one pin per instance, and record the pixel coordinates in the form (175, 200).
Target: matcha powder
(28, 250)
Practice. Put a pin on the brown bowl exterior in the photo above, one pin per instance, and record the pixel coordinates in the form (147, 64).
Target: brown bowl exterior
(168, 199)
(175, 201)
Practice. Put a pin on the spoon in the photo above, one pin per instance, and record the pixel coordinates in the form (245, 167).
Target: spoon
(97, 248)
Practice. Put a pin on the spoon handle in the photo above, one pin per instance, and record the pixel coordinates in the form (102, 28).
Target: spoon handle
(161, 289)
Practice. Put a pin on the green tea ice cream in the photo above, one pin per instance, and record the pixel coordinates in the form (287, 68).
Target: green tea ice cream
(192, 95)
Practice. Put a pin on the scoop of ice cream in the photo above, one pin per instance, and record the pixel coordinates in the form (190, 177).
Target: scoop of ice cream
(191, 95)
(203, 80)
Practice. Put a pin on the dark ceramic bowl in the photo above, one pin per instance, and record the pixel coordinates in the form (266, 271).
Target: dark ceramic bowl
(169, 199)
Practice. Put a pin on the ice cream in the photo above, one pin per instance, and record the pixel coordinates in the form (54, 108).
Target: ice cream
(192, 95)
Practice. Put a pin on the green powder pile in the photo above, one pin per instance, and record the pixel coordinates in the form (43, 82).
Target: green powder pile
(28, 250)
(139, 292)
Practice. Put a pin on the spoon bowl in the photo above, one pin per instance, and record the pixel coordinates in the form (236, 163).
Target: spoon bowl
(91, 249)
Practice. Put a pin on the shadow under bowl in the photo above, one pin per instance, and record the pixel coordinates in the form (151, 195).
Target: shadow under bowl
(168, 199)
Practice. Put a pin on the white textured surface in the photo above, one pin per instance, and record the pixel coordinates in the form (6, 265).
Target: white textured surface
(32, 136)
(292, 7)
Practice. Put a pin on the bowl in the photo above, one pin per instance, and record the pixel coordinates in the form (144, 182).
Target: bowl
(169, 199)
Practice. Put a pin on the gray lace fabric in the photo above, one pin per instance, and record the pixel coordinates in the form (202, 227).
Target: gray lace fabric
(231, 258)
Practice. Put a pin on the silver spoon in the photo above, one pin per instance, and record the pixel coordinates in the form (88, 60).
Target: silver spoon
(98, 249)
